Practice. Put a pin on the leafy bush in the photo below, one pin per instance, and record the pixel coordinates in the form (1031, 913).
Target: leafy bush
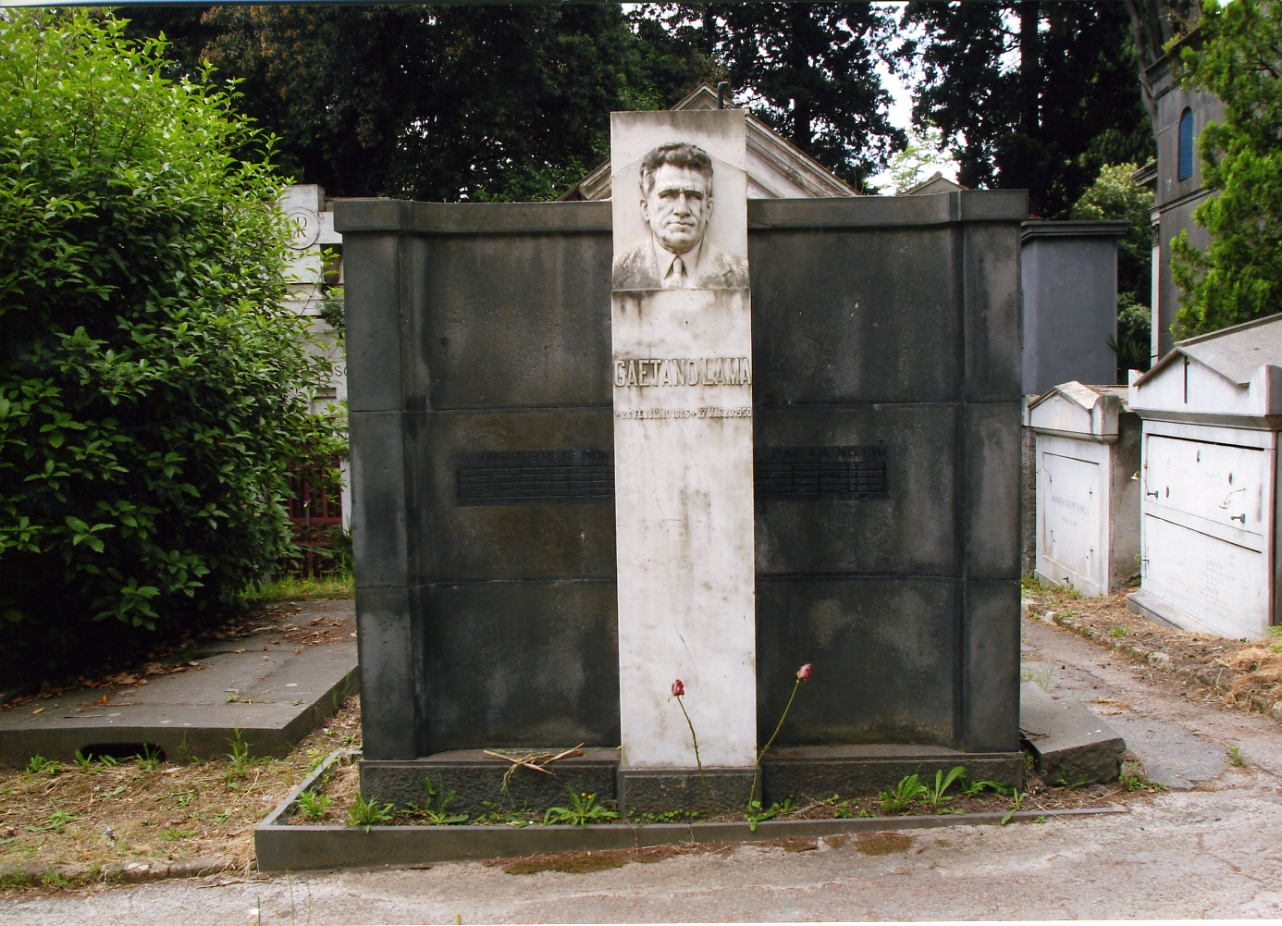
(1239, 277)
(153, 389)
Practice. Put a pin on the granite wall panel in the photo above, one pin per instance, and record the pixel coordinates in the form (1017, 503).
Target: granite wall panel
(886, 338)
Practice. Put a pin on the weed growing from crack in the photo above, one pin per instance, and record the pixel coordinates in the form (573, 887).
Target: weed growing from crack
(149, 760)
(903, 795)
(314, 805)
(40, 764)
(935, 797)
(1133, 783)
(1016, 804)
(435, 808)
(756, 813)
(581, 812)
(368, 813)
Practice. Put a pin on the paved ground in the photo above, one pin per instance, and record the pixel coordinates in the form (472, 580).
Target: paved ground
(1207, 851)
(272, 685)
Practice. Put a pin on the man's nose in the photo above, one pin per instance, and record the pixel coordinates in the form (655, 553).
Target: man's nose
(683, 203)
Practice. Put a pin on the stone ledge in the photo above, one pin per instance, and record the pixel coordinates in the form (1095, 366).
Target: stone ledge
(1066, 738)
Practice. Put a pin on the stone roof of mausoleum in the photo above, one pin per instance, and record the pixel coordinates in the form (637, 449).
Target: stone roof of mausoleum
(777, 169)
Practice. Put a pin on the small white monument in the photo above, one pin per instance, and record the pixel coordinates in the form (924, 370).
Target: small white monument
(1212, 409)
(682, 376)
(1088, 496)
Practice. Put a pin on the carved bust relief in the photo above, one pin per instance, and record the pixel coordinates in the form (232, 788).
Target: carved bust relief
(676, 203)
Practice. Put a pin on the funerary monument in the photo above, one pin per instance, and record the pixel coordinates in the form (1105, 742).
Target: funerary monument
(600, 446)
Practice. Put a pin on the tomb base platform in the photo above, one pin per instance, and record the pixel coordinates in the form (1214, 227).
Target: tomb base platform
(799, 772)
(477, 779)
(819, 772)
(659, 790)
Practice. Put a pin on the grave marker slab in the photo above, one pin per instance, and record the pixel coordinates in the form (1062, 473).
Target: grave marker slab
(681, 328)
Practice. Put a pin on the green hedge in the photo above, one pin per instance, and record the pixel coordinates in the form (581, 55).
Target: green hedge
(153, 390)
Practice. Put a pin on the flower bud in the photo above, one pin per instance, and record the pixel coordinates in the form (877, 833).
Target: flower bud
(678, 688)
(804, 672)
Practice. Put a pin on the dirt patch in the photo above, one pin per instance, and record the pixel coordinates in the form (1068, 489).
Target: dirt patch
(570, 863)
(577, 863)
(797, 844)
(1240, 673)
(883, 843)
(74, 824)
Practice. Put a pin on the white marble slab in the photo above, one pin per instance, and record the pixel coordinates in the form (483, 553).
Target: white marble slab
(682, 376)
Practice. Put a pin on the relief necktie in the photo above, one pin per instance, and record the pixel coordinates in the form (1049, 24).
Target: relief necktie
(676, 275)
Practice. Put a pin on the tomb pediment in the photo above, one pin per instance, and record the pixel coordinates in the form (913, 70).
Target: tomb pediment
(1230, 374)
(1072, 408)
(777, 169)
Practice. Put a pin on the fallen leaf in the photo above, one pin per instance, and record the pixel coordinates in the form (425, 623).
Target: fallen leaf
(241, 650)
(38, 710)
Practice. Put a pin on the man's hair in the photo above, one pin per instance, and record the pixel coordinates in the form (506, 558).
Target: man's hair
(678, 154)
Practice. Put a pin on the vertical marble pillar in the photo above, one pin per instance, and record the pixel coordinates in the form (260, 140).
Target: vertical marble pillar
(682, 375)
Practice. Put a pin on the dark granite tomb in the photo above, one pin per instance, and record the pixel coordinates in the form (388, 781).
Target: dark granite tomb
(886, 388)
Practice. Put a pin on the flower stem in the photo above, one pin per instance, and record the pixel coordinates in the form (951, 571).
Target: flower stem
(697, 761)
(756, 768)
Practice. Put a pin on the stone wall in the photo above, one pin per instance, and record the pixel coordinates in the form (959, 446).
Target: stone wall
(887, 435)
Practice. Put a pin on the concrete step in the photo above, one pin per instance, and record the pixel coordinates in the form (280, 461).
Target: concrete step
(269, 689)
(1066, 739)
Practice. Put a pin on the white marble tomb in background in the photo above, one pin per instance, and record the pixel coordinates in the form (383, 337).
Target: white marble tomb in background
(1212, 409)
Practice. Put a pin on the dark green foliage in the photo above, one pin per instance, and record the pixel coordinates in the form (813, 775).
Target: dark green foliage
(1134, 336)
(1114, 195)
(1032, 95)
(152, 388)
(445, 103)
(1239, 277)
(809, 70)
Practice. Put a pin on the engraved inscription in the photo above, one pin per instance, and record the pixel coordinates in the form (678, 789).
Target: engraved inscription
(683, 371)
(645, 414)
(531, 477)
(849, 472)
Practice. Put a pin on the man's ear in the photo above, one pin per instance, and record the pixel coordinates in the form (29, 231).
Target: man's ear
(645, 211)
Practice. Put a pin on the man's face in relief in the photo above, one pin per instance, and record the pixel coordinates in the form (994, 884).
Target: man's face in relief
(678, 207)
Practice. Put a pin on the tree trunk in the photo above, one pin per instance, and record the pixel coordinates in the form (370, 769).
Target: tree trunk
(1030, 66)
(799, 62)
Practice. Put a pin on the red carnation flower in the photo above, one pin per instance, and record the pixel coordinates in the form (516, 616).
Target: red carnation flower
(678, 688)
(804, 672)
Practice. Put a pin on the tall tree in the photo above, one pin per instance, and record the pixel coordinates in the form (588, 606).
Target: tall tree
(1239, 276)
(809, 70)
(1032, 94)
(444, 103)
(1154, 23)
